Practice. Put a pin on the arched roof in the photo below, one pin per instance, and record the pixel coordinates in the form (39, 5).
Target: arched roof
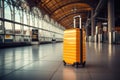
(63, 11)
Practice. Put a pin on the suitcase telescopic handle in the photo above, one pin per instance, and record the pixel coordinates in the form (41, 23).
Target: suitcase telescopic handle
(74, 21)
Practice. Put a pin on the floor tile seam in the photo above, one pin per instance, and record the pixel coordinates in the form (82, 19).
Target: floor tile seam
(105, 72)
(10, 62)
(14, 70)
(89, 75)
(55, 71)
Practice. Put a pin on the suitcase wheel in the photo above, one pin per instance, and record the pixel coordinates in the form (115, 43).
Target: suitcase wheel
(83, 64)
(76, 65)
(64, 63)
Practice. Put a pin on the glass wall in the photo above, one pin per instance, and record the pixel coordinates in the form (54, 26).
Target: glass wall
(18, 14)
(8, 10)
(19, 21)
(18, 33)
(8, 32)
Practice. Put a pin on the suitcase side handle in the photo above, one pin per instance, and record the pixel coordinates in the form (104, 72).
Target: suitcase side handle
(74, 21)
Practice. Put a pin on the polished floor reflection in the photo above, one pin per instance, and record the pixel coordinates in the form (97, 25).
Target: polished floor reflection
(44, 62)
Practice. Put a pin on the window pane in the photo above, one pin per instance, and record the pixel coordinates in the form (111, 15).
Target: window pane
(26, 31)
(7, 11)
(36, 22)
(28, 19)
(8, 28)
(40, 21)
(9, 32)
(17, 16)
(43, 24)
(33, 20)
(25, 18)
(26, 34)
(31, 23)
(17, 29)
(18, 38)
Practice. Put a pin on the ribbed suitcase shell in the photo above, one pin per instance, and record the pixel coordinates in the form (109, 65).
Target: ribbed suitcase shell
(71, 46)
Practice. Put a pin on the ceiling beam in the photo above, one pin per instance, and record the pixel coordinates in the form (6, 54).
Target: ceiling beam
(68, 25)
(75, 2)
(45, 2)
(86, 9)
(59, 20)
(71, 23)
(99, 7)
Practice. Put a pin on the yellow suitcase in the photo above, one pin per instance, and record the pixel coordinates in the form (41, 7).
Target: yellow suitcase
(74, 47)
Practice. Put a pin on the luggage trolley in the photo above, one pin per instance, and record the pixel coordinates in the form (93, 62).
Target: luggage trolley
(74, 45)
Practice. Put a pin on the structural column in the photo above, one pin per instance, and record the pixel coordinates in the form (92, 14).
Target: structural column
(2, 16)
(22, 27)
(86, 32)
(13, 19)
(111, 23)
(28, 23)
(96, 34)
(100, 30)
(92, 25)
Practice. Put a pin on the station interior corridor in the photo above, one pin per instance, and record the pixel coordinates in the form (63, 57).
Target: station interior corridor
(44, 62)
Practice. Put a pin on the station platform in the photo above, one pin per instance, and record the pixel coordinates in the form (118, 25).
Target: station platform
(44, 62)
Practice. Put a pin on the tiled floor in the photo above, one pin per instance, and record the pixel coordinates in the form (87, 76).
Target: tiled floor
(44, 62)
